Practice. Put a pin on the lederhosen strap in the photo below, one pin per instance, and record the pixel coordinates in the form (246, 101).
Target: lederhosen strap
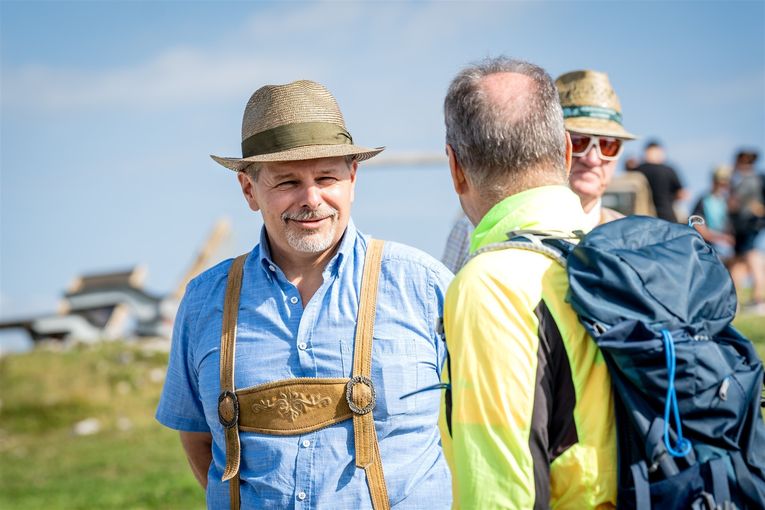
(362, 395)
(228, 404)
(324, 401)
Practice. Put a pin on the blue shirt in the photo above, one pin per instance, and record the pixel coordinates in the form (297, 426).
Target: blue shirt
(277, 338)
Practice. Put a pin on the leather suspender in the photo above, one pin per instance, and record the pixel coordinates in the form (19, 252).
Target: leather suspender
(256, 402)
(365, 437)
(228, 405)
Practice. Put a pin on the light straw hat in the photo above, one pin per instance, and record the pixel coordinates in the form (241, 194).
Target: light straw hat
(590, 105)
(292, 122)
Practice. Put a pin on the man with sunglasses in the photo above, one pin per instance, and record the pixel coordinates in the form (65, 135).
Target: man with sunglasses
(593, 118)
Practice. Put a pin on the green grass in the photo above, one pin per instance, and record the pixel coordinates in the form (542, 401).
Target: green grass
(753, 327)
(44, 465)
(132, 463)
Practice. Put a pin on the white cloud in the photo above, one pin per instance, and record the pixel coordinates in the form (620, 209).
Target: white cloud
(175, 76)
(266, 47)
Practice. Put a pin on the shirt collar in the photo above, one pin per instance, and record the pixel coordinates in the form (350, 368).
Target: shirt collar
(594, 216)
(333, 267)
(542, 208)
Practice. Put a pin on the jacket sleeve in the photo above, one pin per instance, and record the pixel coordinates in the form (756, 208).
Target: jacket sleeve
(491, 335)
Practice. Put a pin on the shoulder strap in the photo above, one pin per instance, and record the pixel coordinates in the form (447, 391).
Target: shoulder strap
(552, 243)
(365, 321)
(361, 390)
(536, 245)
(228, 405)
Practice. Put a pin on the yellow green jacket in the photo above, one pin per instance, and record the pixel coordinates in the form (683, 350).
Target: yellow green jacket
(532, 422)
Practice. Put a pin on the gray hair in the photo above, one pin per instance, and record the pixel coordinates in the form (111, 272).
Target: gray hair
(253, 169)
(497, 144)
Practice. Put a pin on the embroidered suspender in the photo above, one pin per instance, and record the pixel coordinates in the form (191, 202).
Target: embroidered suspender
(267, 408)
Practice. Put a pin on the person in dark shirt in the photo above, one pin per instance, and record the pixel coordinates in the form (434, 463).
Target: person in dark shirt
(666, 187)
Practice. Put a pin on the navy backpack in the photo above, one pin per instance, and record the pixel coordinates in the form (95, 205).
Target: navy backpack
(659, 303)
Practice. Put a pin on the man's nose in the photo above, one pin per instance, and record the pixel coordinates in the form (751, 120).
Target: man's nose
(311, 196)
(591, 157)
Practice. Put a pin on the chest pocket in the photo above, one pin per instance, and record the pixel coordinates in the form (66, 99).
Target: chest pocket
(394, 373)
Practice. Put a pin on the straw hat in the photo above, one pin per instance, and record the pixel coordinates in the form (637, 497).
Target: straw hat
(590, 105)
(292, 122)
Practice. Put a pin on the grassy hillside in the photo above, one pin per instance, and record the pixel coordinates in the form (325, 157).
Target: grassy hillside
(130, 462)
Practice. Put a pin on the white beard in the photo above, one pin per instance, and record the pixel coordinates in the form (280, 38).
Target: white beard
(313, 242)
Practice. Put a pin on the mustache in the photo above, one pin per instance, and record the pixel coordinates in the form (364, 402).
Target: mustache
(306, 214)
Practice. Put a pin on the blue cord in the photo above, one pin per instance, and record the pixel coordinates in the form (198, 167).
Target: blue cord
(683, 445)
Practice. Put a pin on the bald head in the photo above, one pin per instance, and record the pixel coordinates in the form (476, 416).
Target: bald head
(508, 92)
(505, 125)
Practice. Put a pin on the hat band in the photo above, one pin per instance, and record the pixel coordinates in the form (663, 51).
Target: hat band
(290, 136)
(594, 112)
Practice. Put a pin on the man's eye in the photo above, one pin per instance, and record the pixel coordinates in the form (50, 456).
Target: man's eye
(286, 184)
(327, 180)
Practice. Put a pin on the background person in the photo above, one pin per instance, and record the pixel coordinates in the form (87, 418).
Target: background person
(593, 118)
(747, 210)
(666, 188)
(713, 207)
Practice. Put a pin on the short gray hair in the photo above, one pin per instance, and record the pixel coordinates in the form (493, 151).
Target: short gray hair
(496, 144)
(253, 169)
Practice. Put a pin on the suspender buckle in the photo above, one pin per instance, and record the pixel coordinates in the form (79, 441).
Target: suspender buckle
(228, 409)
(360, 394)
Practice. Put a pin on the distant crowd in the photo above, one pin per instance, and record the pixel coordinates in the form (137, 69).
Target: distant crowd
(733, 210)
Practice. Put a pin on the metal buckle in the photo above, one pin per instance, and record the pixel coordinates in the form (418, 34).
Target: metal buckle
(349, 394)
(229, 399)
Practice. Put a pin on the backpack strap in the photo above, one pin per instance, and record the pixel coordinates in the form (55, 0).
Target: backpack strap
(554, 244)
(642, 488)
(720, 487)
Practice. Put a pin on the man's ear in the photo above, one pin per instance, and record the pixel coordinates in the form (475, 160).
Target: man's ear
(248, 190)
(459, 180)
(569, 150)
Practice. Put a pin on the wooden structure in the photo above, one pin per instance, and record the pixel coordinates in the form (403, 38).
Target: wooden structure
(101, 306)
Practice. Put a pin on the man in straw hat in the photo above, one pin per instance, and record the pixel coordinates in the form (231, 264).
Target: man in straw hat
(529, 420)
(593, 118)
(296, 370)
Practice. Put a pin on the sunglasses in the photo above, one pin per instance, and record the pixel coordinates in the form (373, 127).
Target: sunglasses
(608, 148)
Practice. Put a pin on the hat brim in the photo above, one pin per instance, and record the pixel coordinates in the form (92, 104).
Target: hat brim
(598, 127)
(300, 154)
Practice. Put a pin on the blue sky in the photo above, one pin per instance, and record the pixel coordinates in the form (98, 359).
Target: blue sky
(110, 110)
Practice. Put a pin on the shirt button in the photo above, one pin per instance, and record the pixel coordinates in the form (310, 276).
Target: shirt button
(302, 346)
(306, 443)
(271, 268)
(301, 495)
(293, 300)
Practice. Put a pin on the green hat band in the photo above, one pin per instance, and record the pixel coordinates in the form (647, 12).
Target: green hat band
(290, 136)
(593, 112)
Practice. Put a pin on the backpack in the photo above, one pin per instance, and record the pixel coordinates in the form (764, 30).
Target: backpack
(659, 303)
